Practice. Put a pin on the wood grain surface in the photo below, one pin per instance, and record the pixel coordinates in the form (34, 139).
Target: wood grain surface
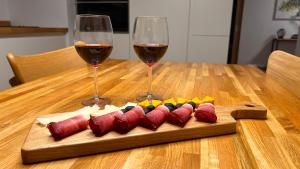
(272, 143)
(5, 23)
(40, 146)
(31, 67)
(26, 30)
(285, 67)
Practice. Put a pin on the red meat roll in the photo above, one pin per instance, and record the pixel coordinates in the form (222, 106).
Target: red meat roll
(129, 120)
(206, 113)
(181, 115)
(163, 108)
(65, 128)
(155, 118)
(101, 125)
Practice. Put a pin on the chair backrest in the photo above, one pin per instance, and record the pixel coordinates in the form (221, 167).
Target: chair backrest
(285, 68)
(31, 67)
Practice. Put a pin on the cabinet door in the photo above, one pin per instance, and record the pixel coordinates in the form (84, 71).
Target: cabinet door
(210, 17)
(210, 23)
(120, 47)
(177, 13)
(208, 49)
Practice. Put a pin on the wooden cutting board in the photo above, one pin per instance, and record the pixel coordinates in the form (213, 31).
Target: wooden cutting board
(40, 146)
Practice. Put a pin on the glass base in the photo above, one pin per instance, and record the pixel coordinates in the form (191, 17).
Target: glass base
(145, 97)
(100, 101)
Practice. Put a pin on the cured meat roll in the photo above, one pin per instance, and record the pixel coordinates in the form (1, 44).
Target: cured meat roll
(206, 113)
(101, 125)
(181, 115)
(155, 118)
(65, 128)
(163, 108)
(129, 120)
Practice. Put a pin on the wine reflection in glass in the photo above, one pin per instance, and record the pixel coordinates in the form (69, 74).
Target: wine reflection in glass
(150, 43)
(94, 42)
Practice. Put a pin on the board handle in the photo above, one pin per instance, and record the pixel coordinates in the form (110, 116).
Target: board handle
(249, 110)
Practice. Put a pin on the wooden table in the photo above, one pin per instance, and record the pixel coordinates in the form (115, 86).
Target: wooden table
(272, 143)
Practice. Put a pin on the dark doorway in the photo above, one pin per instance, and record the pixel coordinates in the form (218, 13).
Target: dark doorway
(236, 24)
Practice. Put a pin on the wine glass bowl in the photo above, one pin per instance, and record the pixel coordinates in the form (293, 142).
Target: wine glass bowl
(150, 53)
(94, 54)
(150, 43)
(93, 42)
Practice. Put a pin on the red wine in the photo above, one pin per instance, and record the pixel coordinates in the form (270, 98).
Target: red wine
(94, 54)
(150, 53)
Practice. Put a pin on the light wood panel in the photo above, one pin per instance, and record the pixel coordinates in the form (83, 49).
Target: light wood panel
(285, 68)
(5, 23)
(39, 146)
(272, 143)
(32, 67)
(25, 30)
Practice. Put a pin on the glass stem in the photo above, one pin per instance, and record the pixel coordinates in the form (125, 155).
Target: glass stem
(96, 97)
(149, 95)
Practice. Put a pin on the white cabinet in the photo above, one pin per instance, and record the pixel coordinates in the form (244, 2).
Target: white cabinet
(199, 30)
(120, 47)
(210, 17)
(208, 49)
(177, 13)
(209, 30)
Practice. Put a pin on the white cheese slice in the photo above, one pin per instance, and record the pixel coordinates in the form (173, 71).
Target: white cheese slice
(85, 111)
(111, 108)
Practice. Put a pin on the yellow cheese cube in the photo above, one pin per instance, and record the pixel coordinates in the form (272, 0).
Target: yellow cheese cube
(196, 100)
(181, 100)
(208, 99)
(156, 103)
(171, 100)
(146, 103)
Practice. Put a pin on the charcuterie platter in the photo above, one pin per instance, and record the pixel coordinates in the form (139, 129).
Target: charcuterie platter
(41, 146)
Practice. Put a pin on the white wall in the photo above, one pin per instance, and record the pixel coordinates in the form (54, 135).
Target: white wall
(71, 13)
(43, 13)
(258, 29)
(4, 14)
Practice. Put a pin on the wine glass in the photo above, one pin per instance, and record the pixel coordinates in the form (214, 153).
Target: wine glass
(94, 42)
(150, 43)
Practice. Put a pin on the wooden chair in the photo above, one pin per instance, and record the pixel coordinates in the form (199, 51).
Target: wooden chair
(31, 67)
(285, 68)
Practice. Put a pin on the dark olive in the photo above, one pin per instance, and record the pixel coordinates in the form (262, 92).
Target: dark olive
(178, 105)
(129, 108)
(151, 107)
(170, 106)
(124, 110)
(192, 104)
(146, 110)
